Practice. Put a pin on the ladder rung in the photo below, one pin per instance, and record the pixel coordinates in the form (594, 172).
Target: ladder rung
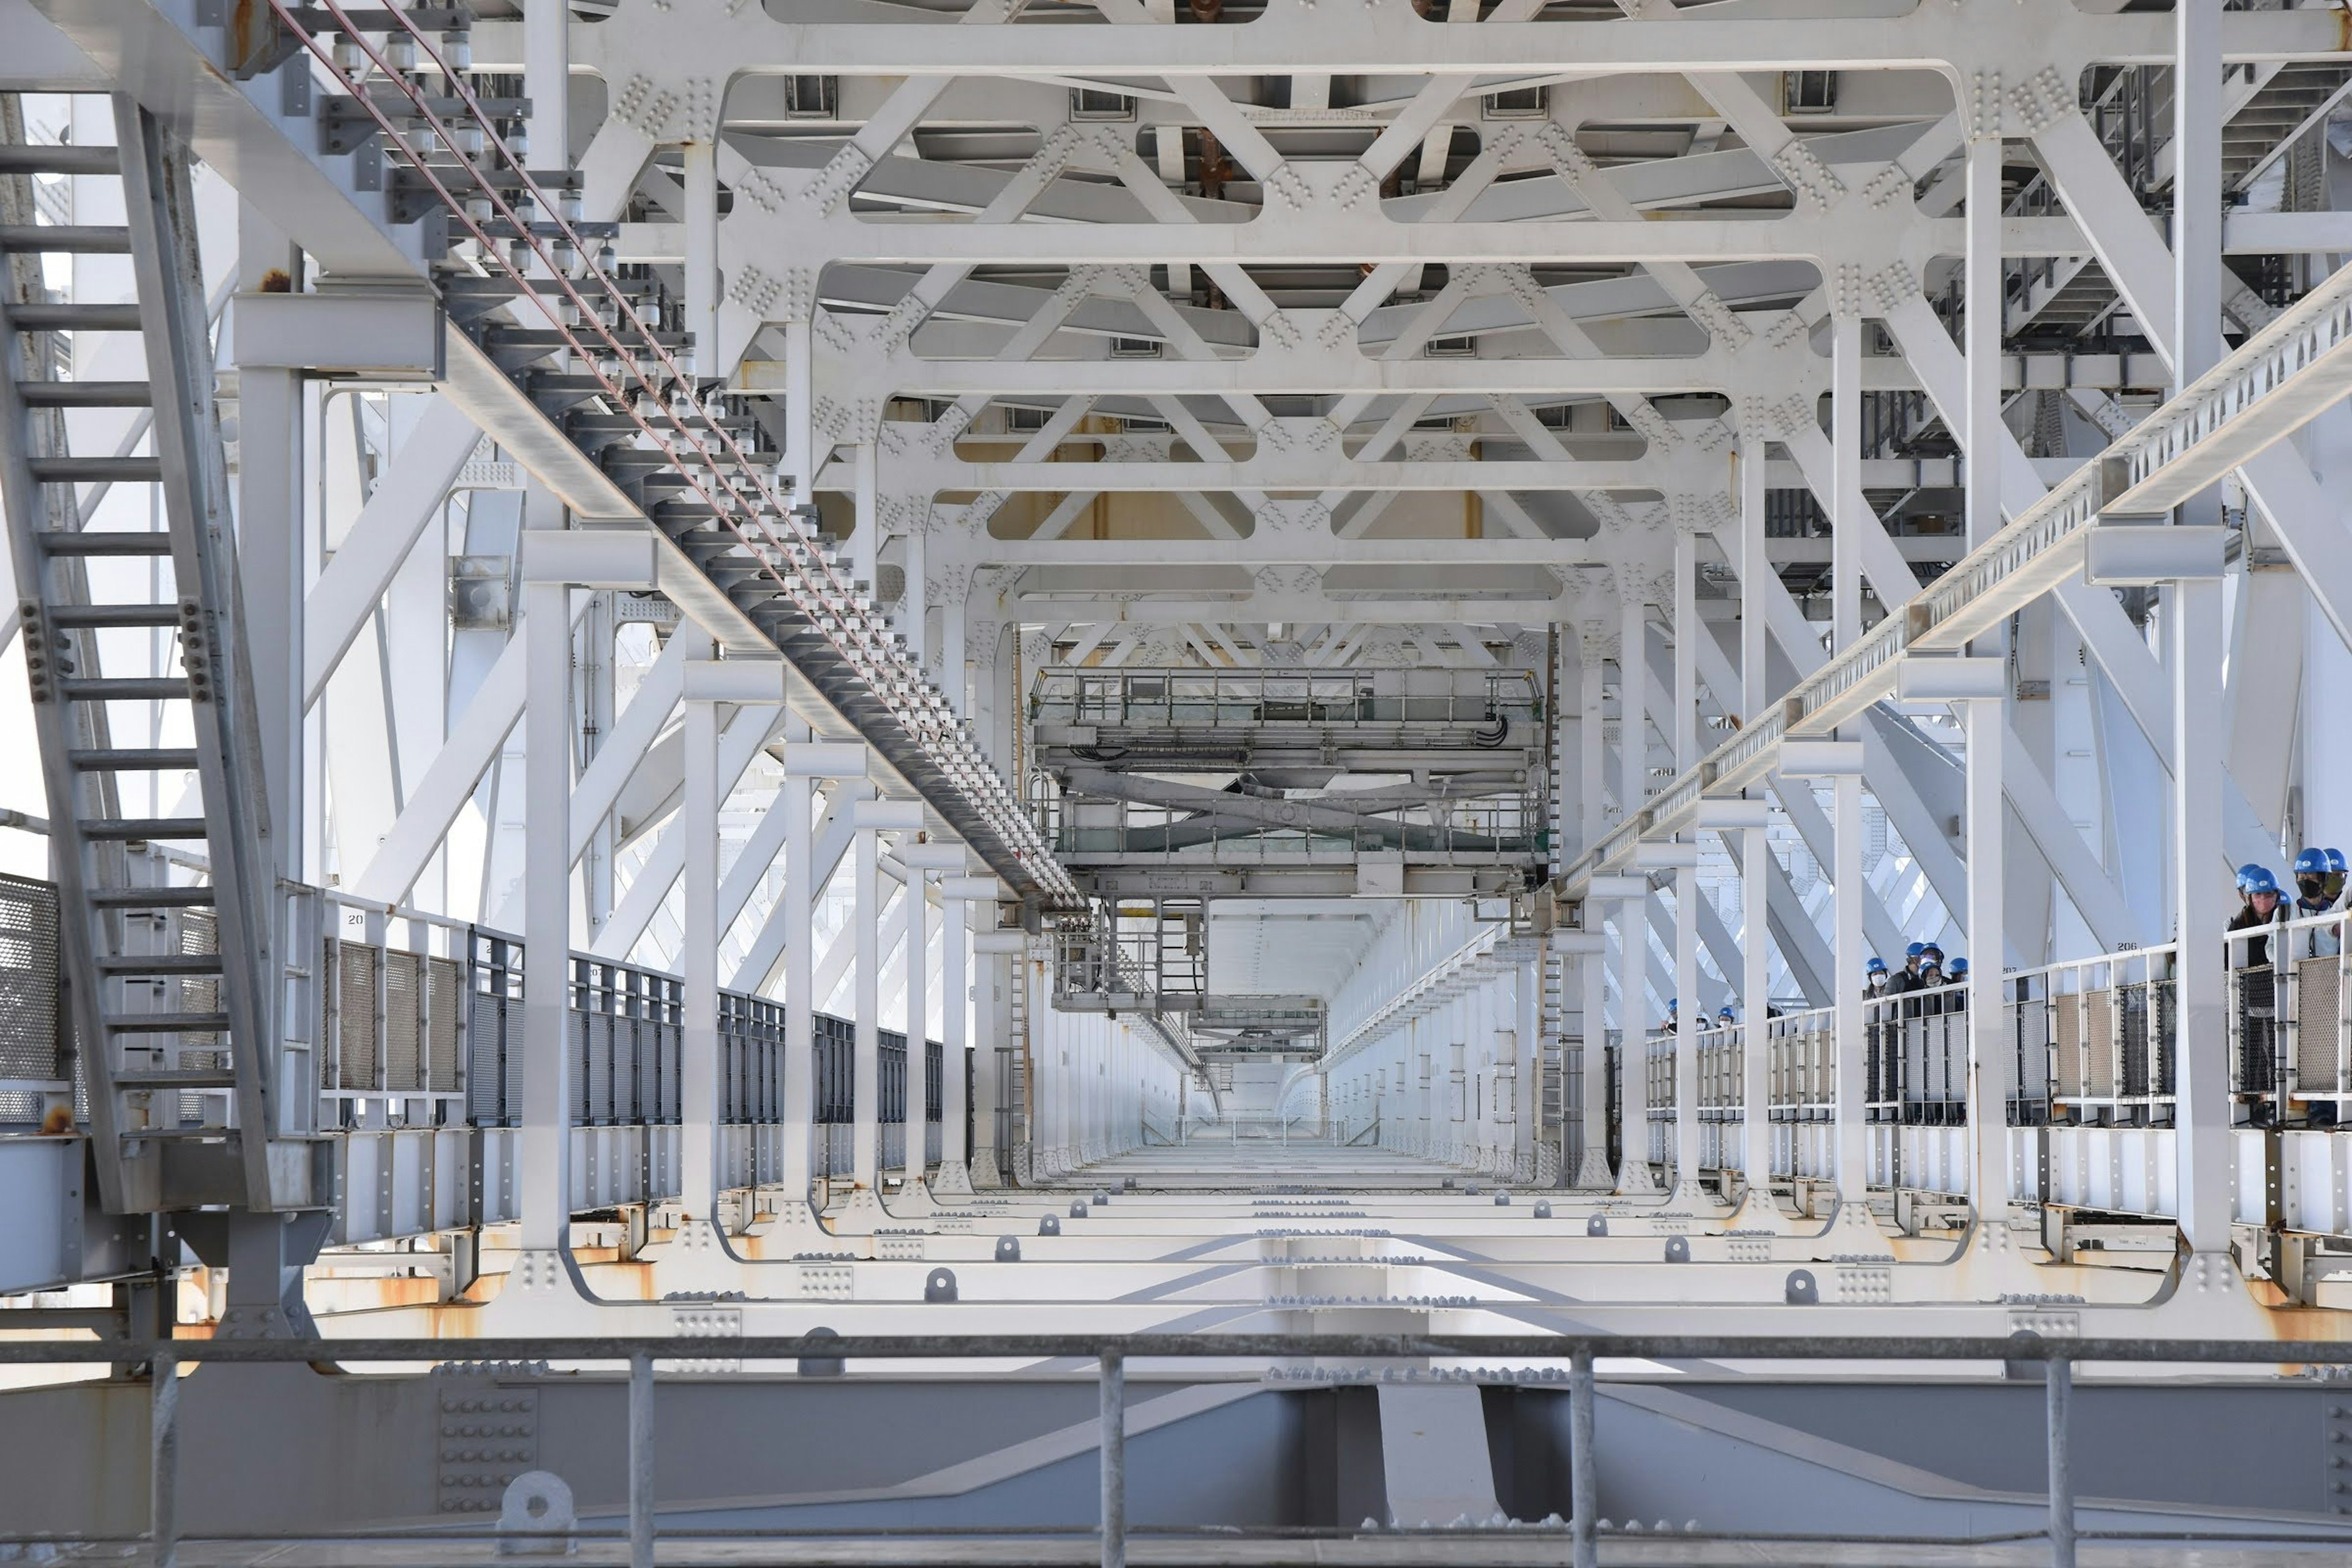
(96, 471)
(25, 158)
(160, 963)
(65, 238)
(131, 828)
(176, 1077)
(113, 615)
(47, 317)
(167, 1023)
(134, 760)
(105, 541)
(86, 393)
(125, 689)
(151, 898)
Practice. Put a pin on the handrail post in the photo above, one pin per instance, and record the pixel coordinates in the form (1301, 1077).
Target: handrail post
(641, 1461)
(2059, 1384)
(1112, 1380)
(1583, 1482)
(163, 1460)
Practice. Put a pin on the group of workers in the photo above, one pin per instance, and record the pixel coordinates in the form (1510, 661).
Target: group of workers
(2319, 880)
(1924, 969)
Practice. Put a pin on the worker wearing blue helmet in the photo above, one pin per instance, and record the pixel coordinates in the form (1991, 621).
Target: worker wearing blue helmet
(2336, 869)
(1875, 978)
(2262, 908)
(2311, 899)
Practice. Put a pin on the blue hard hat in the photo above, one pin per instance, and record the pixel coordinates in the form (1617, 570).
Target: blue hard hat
(1726, 1011)
(2260, 880)
(1876, 966)
(2335, 860)
(1674, 1001)
(1960, 967)
(1929, 948)
(1915, 950)
(2311, 863)
(2246, 874)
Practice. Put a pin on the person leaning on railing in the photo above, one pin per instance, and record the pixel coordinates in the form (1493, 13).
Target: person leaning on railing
(2258, 896)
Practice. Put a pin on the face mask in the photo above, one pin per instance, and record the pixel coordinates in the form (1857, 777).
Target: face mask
(2310, 887)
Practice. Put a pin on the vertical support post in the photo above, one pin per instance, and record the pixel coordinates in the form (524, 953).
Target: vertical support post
(163, 1460)
(544, 1187)
(865, 1070)
(698, 968)
(1754, 908)
(701, 159)
(1848, 509)
(955, 1039)
(641, 1461)
(2195, 650)
(1528, 1065)
(800, 424)
(2059, 1387)
(1988, 1031)
(1583, 1480)
(917, 939)
(1592, 1171)
(1634, 914)
(1987, 719)
(1851, 1133)
(1690, 1019)
(800, 1008)
(1111, 1377)
(547, 82)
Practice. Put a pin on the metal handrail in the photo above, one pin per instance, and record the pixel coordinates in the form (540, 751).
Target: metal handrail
(823, 1350)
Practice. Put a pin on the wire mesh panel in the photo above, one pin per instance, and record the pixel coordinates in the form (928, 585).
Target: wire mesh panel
(751, 1058)
(445, 1024)
(494, 1032)
(2318, 1023)
(32, 1039)
(357, 1054)
(894, 1077)
(404, 1017)
(2099, 1043)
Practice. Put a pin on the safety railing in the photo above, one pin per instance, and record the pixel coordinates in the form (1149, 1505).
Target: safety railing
(1480, 829)
(396, 1004)
(37, 1086)
(2094, 1038)
(2290, 1035)
(1247, 699)
(1572, 1357)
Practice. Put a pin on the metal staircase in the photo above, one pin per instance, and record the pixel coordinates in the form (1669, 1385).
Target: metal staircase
(138, 682)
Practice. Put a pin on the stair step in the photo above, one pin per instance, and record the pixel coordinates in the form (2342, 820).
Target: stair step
(151, 898)
(134, 760)
(105, 541)
(25, 158)
(65, 239)
(114, 615)
(97, 470)
(45, 316)
(86, 393)
(159, 963)
(140, 828)
(125, 689)
(176, 1078)
(167, 1023)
